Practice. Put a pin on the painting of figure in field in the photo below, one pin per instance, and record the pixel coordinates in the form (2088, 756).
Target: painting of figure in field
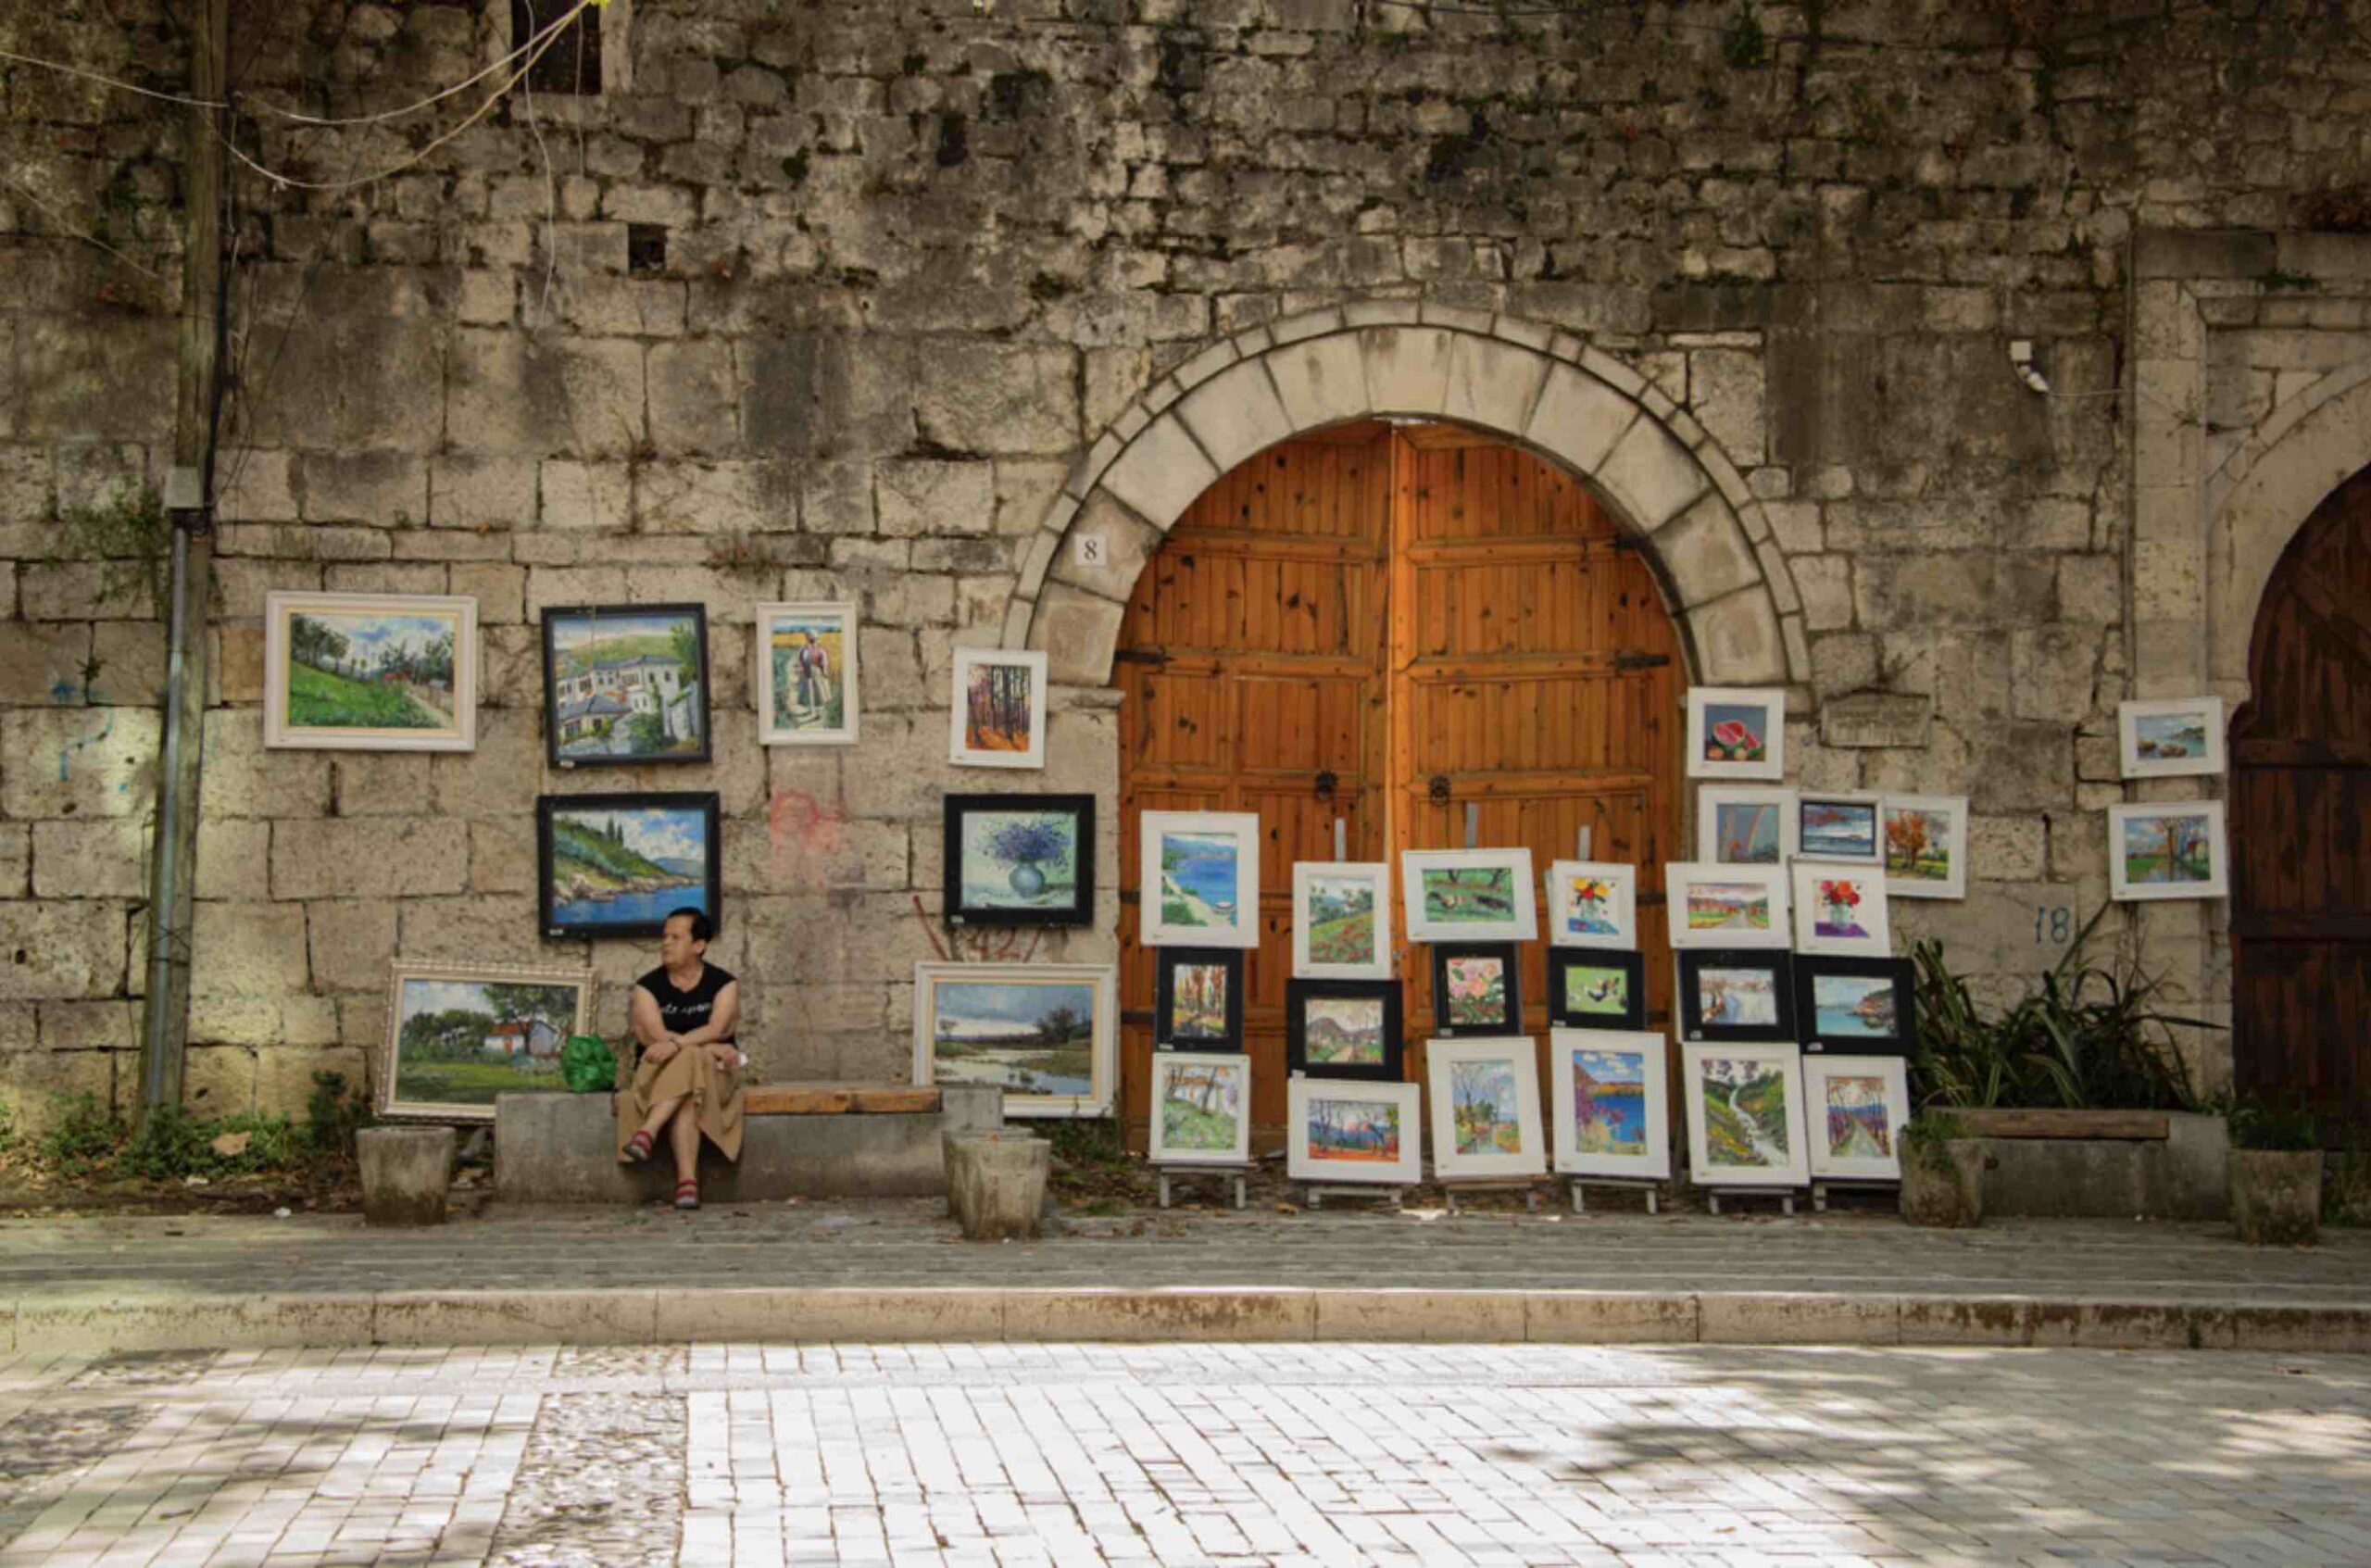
(809, 656)
(360, 670)
(627, 686)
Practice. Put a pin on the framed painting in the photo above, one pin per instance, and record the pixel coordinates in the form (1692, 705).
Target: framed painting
(1838, 827)
(997, 719)
(1737, 732)
(618, 865)
(1841, 910)
(370, 672)
(807, 674)
(1478, 989)
(1864, 1005)
(1198, 998)
(458, 1035)
(1019, 860)
(1745, 1121)
(1855, 1108)
(1612, 1114)
(1468, 894)
(1342, 1133)
(625, 685)
(1592, 904)
(2170, 738)
(1485, 1107)
(1735, 995)
(1201, 1110)
(1043, 1032)
(1596, 988)
(1715, 906)
(2167, 849)
(1926, 840)
(1342, 919)
(1200, 879)
(1745, 824)
(1342, 1029)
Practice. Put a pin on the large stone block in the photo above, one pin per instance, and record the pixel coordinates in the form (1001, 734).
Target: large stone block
(349, 943)
(127, 664)
(384, 489)
(1161, 473)
(483, 493)
(586, 496)
(918, 497)
(234, 858)
(1650, 475)
(244, 778)
(1493, 384)
(1579, 418)
(105, 858)
(79, 762)
(16, 859)
(998, 398)
(62, 948)
(824, 394)
(1724, 393)
(42, 661)
(1738, 641)
(1704, 552)
(1235, 414)
(373, 856)
(43, 1086)
(575, 396)
(1407, 367)
(247, 951)
(1322, 381)
(1078, 630)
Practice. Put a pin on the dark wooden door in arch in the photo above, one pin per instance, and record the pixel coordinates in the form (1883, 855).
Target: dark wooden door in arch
(2301, 825)
(1384, 626)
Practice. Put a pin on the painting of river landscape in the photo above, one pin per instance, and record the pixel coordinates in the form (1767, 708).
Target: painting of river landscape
(1026, 1038)
(1741, 1113)
(385, 672)
(618, 865)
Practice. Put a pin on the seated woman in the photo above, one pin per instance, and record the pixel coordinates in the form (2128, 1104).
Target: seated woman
(687, 1072)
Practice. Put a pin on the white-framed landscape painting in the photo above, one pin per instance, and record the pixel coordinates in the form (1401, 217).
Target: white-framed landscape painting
(1592, 904)
(808, 692)
(1044, 1032)
(2170, 737)
(1201, 1109)
(1469, 895)
(1840, 827)
(1745, 1118)
(1745, 824)
(1348, 1132)
(1737, 732)
(1855, 1108)
(1198, 879)
(1486, 1107)
(1341, 919)
(998, 718)
(370, 672)
(1925, 845)
(2167, 849)
(1613, 1113)
(1715, 906)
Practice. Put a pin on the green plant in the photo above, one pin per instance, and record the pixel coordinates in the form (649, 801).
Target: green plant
(1743, 43)
(2254, 1125)
(1927, 1136)
(127, 533)
(81, 1134)
(333, 1117)
(2087, 1037)
(2346, 1189)
(169, 1145)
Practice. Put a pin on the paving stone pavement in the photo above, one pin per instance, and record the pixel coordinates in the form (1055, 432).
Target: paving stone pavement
(738, 1455)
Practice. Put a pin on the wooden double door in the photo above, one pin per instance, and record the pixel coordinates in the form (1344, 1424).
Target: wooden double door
(2300, 826)
(1390, 632)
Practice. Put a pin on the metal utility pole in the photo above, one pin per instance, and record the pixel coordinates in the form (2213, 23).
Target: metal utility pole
(189, 498)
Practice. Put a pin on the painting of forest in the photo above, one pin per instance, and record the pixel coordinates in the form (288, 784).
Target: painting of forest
(1354, 1131)
(359, 670)
(463, 1042)
(1201, 1108)
(1198, 1003)
(996, 715)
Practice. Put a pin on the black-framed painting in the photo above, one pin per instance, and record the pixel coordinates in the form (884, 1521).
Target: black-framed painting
(1596, 988)
(1741, 996)
(1020, 859)
(618, 865)
(1198, 998)
(625, 685)
(1478, 989)
(1867, 1007)
(1344, 1029)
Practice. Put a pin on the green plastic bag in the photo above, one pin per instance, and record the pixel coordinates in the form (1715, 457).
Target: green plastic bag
(587, 1064)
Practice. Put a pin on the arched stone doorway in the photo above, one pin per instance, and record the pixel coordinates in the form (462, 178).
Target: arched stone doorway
(2301, 824)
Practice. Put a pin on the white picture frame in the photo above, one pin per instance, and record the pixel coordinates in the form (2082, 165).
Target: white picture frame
(1850, 1135)
(2171, 737)
(795, 698)
(1003, 1010)
(1357, 1117)
(1769, 814)
(2127, 849)
(983, 730)
(1715, 751)
(1333, 879)
(1196, 1096)
(1909, 825)
(1841, 909)
(1756, 894)
(1735, 1066)
(1486, 1071)
(1839, 825)
(358, 652)
(1440, 911)
(1210, 850)
(1621, 1141)
(1579, 917)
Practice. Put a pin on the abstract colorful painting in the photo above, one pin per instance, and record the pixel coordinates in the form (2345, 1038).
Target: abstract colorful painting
(370, 672)
(1592, 904)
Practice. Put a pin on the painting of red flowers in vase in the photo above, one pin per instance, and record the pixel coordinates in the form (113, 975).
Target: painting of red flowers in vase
(1839, 906)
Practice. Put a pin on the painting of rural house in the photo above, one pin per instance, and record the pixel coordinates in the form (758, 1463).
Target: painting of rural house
(627, 687)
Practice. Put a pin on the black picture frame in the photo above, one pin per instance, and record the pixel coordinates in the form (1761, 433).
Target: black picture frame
(1902, 1040)
(650, 914)
(562, 711)
(1165, 1035)
(959, 908)
(1633, 965)
(1444, 953)
(1687, 1000)
(1299, 994)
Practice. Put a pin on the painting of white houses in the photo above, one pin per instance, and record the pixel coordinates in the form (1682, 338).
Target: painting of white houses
(626, 685)
(534, 1038)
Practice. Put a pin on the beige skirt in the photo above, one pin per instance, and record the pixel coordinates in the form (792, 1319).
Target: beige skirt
(715, 1094)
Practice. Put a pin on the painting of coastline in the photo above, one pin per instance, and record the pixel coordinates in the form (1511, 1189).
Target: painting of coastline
(1201, 1108)
(1854, 1007)
(626, 685)
(807, 677)
(1610, 1103)
(1469, 896)
(1747, 832)
(1343, 1031)
(377, 671)
(1485, 1115)
(459, 1040)
(1840, 829)
(2169, 737)
(1728, 906)
(1737, 997)
(1860, 1126)
(1340, 912)
(1028, 1038)
(1020, 859)
(1747, 1120)
(1340, 1129)
(1589, 989)
(1198, 877)
(619, 866)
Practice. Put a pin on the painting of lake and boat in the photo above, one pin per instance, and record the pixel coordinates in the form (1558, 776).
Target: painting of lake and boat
(619, 865)
(1198, 878)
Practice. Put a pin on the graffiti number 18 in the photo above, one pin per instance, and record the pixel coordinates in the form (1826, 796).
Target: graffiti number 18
(2053, 927)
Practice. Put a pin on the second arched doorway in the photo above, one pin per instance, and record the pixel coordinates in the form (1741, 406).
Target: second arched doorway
(1406, 629)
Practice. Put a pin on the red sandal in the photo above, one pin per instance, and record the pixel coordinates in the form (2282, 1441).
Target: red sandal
(637, 1148)
(687, 1194)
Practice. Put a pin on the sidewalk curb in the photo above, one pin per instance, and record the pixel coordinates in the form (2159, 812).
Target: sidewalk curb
(94, 1325)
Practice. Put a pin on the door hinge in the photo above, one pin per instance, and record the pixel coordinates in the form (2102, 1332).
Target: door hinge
(1641, 660)
(1140, 656)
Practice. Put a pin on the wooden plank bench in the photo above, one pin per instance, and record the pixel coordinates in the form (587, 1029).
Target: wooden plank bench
(2011, 1123)
(839, 1100)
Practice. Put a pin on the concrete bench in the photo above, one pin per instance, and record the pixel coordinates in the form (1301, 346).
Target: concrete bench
(797, 1140)
(2102, 1164)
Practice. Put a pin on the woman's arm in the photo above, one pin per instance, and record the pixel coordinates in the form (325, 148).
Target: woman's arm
(722, 1015)
(649, 1029)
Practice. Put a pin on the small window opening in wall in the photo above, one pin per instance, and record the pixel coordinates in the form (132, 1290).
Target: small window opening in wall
(646, 249)
(572, 64)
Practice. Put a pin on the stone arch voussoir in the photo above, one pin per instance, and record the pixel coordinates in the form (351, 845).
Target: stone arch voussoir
(1729, 589)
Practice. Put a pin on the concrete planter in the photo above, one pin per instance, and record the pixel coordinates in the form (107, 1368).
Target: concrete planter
(406, 1173)
(2277, 1196)
(2099, 1167)
(996, 1183)
(1945, 1191)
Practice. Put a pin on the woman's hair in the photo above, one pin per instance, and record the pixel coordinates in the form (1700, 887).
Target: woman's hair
(703, 928)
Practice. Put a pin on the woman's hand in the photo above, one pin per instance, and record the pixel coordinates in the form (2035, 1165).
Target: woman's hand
(725, 1056)
(664, 1050)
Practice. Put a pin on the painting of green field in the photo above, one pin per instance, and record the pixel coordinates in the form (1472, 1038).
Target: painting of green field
(1201, 1109)
(1341, 919)
(463, 1042)
(1469, 895)
(2174, 847)
(357, 670)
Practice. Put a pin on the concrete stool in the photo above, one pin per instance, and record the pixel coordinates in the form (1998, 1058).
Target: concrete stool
(996, 1183)
(406, 1172)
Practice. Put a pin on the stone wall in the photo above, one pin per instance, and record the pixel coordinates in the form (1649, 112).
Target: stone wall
(917, 264)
